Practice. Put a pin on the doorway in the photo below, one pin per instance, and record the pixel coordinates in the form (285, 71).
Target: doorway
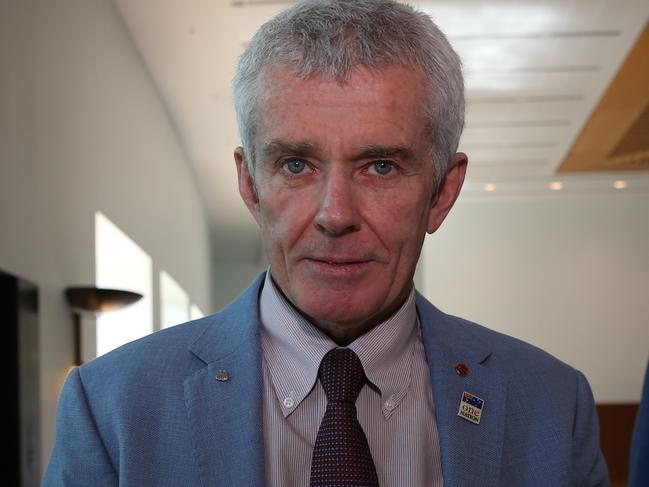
(20, 363)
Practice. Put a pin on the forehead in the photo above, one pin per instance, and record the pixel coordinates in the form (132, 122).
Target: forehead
(369, 104)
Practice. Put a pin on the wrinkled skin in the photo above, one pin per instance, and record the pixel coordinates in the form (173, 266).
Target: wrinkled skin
(344, 192)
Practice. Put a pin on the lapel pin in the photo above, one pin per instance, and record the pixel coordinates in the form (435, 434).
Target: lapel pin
(222, 376)
(471, 407)
(461, 369)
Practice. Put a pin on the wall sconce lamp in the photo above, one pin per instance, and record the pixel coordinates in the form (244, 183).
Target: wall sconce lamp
(94, 301)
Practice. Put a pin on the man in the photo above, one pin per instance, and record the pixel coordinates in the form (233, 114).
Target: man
(350, 113)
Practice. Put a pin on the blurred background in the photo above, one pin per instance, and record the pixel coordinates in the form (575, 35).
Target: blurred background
(116, 171)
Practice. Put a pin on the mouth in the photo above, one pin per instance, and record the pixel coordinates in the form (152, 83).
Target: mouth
(339, 266)
(339, 262)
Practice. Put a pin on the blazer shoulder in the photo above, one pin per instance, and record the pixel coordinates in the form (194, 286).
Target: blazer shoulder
(515, 357)
(182, 348)
(164, 354)
(509, 347)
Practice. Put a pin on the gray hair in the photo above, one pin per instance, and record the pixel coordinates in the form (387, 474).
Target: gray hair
(331, 37)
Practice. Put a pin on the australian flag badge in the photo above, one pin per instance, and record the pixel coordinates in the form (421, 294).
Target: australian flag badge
(471, 407)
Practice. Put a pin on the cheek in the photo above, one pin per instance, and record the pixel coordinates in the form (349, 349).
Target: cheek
(398, 222)
(282, 222)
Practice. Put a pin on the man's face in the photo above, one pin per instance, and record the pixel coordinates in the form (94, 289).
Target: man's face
(344, 192)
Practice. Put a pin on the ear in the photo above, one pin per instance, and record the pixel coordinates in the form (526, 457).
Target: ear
(246, 184)
(447, 192)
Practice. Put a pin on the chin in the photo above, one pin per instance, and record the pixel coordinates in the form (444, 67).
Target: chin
(343, 312)
(345, 304)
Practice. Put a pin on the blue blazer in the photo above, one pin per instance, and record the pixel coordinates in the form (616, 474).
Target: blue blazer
(152, 413)
(639, 471)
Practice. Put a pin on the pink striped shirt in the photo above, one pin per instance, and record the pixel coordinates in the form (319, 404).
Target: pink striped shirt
(396, 411)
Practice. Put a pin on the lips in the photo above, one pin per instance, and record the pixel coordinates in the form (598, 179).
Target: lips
(339, 268)
(339, 261)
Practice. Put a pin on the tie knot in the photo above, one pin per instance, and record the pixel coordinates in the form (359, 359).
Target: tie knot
(341, 375)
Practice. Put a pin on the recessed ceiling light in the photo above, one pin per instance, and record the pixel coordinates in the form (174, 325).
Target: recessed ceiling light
(556, 185)
(489, 187)
(620, 184)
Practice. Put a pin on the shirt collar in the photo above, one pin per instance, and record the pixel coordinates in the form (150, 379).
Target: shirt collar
(293, 350)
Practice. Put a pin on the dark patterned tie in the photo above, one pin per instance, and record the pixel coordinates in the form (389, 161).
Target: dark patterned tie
(341, 456)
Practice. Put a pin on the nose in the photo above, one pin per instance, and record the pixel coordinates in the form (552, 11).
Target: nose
(337, 211)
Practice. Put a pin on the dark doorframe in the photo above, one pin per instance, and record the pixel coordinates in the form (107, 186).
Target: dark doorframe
(19, 358)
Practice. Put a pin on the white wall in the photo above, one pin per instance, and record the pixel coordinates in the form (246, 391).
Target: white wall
(82, 129)
(569, 274)
(236, 265)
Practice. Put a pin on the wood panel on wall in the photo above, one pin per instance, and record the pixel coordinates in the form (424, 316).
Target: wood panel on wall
(616, 427)
(616, 137)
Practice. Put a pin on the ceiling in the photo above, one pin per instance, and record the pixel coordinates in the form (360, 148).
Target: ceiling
(616, 135)
(535, 72)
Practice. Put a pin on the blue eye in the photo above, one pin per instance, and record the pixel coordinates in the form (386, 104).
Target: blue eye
(383, 167)
(295, 166)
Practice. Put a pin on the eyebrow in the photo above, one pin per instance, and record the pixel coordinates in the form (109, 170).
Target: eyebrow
(385, 152)
(303, 148)
(280, 147)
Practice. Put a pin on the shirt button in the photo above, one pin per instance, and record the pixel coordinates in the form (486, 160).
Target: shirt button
(289, 402)
(389, 404)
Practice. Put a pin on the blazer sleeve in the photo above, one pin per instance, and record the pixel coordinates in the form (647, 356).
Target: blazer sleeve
(589, 465)
(79, 457)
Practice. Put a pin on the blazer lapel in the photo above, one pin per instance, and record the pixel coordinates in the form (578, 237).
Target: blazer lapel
(224, 398)
(471, 453)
